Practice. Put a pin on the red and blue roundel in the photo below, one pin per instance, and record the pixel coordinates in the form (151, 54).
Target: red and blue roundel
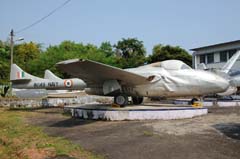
(68, 83)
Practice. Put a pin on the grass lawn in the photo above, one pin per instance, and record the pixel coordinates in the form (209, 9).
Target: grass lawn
(20, 140)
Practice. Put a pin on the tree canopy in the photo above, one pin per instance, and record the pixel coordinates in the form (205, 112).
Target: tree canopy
(167, 52)
(4, 62)
(129, 48)
(130, 52)
(126, 53)
(26, 52)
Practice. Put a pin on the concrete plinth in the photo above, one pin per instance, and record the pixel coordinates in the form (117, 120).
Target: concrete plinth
(210, 103)
(106, 112)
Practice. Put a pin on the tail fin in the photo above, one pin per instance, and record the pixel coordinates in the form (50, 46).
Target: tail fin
(227, 67)
(202, 66)
(17, 74)
(49, 75)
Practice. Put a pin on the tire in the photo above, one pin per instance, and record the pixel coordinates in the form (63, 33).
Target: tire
(193, 101)
(121, 100)
(137, 100)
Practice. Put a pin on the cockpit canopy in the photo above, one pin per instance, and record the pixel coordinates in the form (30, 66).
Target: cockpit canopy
(171, 65)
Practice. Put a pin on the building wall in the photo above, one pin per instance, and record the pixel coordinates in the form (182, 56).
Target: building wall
(215, 50)
(217, 64)
(218, 48)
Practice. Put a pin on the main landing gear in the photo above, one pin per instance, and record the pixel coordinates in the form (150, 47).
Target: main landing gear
(137, 100)
(122, 100)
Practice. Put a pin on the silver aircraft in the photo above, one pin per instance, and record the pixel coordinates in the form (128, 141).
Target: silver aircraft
(22, 80)
(171, 78)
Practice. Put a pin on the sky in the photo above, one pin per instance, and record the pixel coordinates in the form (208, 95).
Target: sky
(185, 23)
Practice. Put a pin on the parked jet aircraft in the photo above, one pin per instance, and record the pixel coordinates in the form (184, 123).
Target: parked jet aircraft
(22, 80)
(171, 78)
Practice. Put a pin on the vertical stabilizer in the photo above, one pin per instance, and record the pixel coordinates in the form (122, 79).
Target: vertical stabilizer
(49, 75)
(227, 67)
(202, 66)
(18, 74)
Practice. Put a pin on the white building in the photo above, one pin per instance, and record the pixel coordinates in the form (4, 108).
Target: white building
(215, 56)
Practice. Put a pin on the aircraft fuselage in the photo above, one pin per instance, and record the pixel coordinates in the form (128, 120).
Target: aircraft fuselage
(68, 84)
(182, 83)
(174, 83)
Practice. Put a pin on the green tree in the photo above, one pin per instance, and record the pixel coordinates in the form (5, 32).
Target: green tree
(125, 54)
(70, 50)
(130, 52)
(4, 71)
(26, 52)
(107, 48)
(4, 62)
(131, 47)
(167, 52)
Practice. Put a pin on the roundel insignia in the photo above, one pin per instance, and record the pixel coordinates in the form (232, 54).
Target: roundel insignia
(68, 83)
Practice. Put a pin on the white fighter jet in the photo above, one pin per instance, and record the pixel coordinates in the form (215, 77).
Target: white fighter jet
(171, 78)
(22, 80)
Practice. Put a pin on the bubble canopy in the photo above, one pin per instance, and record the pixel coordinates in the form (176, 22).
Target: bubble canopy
(171, 65)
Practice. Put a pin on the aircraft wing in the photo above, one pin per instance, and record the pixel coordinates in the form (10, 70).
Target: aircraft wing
(95, 73)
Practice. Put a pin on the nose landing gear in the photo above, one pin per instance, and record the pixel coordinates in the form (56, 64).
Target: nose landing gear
(193, 101)
(197, 103)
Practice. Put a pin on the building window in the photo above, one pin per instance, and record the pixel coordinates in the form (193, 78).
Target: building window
(223, 56)
(202, 58)
(210, 58)
(231, 52)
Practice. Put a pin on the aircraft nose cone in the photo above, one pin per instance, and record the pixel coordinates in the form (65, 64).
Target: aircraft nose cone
(222, 84)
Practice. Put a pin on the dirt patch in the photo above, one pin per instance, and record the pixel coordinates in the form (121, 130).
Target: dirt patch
(36, 153)
(212, 136)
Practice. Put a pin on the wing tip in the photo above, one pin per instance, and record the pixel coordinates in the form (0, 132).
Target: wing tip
(68, 61)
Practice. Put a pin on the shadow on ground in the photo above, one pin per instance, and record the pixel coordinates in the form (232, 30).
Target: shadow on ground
(231, 130)
(71, 122)
(46, 110)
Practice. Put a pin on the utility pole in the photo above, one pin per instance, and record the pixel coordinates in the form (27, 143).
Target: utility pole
(11, 45)
(11, 49)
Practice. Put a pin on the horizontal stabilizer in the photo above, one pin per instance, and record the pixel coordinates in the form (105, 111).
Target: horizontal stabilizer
(49, 75)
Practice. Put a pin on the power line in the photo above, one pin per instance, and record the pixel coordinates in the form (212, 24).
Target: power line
(40, 20)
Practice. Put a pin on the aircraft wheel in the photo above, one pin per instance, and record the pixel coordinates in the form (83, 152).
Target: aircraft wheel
(121, 100)
(193, 101)
(137, 100)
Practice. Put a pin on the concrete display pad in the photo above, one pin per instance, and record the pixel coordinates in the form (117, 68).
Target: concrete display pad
(209, 103)
(143, 112)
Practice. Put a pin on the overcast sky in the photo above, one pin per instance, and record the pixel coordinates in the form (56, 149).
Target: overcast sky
(186, 23)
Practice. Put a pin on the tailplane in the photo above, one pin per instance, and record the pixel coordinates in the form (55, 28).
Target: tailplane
(49, 75)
